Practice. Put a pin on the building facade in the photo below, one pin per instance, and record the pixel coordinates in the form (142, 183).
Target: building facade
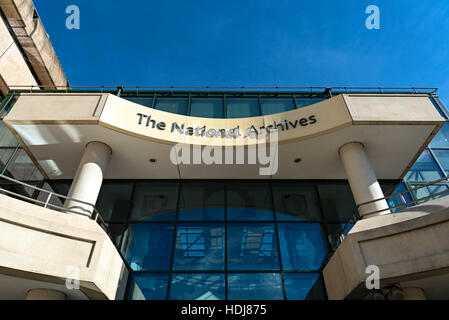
(215, 193)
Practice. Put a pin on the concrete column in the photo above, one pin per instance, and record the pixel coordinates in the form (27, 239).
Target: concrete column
(414, 294)
(362, 179)
(89, 177)
(45, 294)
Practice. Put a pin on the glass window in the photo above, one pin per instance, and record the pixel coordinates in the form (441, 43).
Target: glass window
(192, 286)
(5, 155)
(207, 108)
(337, 201)
(425, 169)
(298, 285)
(148, 246)
(7, 139)
(146, 101)
(296, 201)
(395, 201)
(443, 158)
(242, 107)
(114, 201)
(249, 201)
(202, 201)
(441, 140)
(428, 191)
(22, 168)
(304, 102)
(277, 105)
(155, 201)
(255, 286)
(335, 232)
(302, 246)
(199, 246)
(252, 246)
(148, 287)
(173, 105)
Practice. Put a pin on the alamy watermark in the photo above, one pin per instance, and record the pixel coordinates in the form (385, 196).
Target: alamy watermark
(373, 280)
(373, 20)
(73, 21)
(72, 281)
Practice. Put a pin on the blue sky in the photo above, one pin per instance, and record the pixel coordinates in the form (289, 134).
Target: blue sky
(252, 43)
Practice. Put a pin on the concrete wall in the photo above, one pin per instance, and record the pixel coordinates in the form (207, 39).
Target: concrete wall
(38, 244)
(406, 246)
(44, 67)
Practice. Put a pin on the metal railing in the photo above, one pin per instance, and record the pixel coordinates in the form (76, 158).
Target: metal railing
(94, 215)
(243, 89)
(404, 204)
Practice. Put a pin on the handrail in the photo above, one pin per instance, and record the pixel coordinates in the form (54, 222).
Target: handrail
(94, 215)
(275, 89)
(356, 215)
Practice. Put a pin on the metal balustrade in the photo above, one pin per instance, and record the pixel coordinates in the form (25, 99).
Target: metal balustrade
(94, 215)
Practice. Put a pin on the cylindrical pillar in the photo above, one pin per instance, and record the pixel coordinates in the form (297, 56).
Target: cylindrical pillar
(414, 294)
(362, 179)
(45, 294)
(89, 177)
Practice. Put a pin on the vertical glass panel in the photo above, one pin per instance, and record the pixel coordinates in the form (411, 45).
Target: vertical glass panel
(173, 105)
(302, 246)
(148, 287)
(146, 101)
(249, 201)
(192, 286)
(255, 286)
(114, 201)
(199, 246)
(296, 201)
(202, 201)
(428, 191)
(298, 285)
(116, 232)
(277, 105)
(337, 201)
(242, 107)
(441, 140)
(395, 201)
(252, 246)
(23, 169)
(304, 102)
(155, 201)
(5, 155)
(336, 233)
(148, 246)
(7, 139)
(425, 169)
(207, 108)
(443, 158)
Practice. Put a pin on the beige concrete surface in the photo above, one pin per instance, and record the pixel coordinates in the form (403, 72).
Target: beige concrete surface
(48, 246)
(406, 246)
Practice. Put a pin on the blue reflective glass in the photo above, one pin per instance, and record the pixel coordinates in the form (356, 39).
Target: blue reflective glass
(146, 101)
(249, 201)
(148, 246)
(255, 286)
(395, 201)
(425, 169)
(155, 201)
(304, 102)
(242, 107)
(202, 201)
(210, 286)
(207, 108)
(277, 105)
(298, 285)
(302, 246)
(441, 140)
(252, 246)
(173, 105)
(428, 191)
(296, 201)
(199, 246)
(148, 287)
(443, 158)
